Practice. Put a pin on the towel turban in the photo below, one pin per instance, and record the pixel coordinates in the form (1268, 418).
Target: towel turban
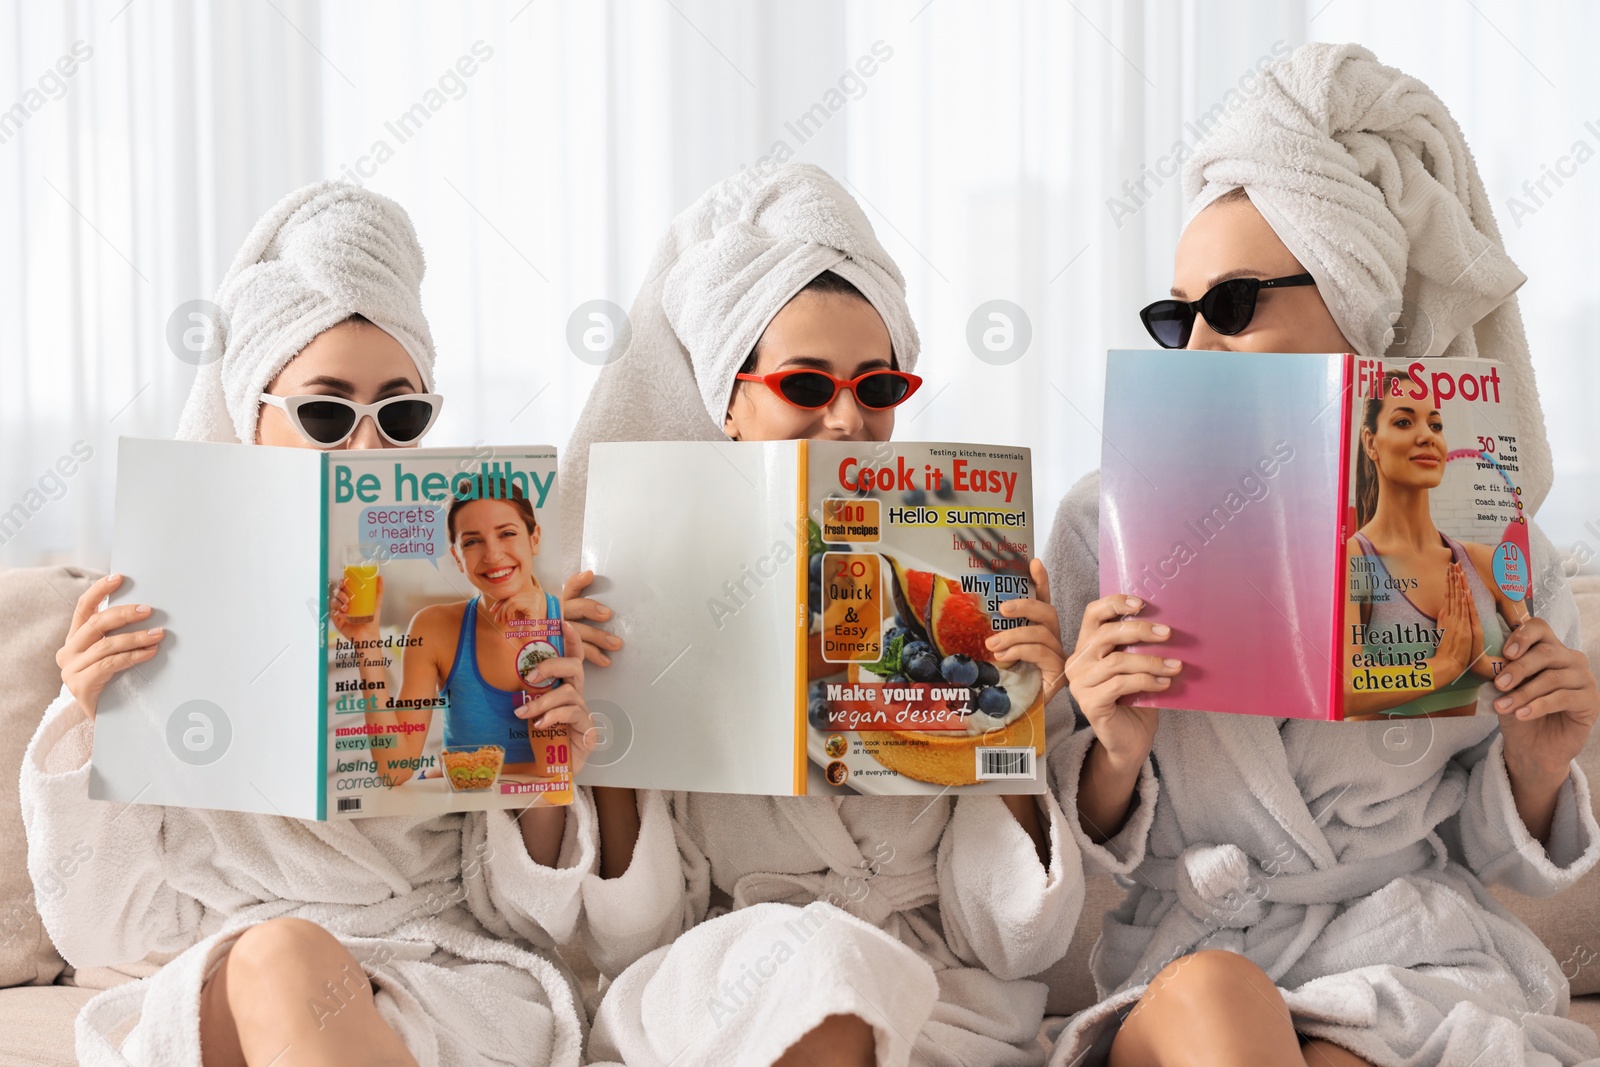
(724, 268)
(1364, 175)
(320, 255)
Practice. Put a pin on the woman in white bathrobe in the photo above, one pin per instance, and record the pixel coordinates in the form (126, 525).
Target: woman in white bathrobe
(842, 930)
(1304, 892)
(385, 940)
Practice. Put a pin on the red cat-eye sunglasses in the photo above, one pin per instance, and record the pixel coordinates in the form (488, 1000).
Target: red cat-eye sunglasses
(811, 389)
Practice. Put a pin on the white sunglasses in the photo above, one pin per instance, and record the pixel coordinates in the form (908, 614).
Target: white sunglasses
(329, 421)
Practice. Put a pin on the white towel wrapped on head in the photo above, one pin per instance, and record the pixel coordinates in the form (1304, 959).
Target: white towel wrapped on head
(1362, 172)
(724, 268)
(321, 254)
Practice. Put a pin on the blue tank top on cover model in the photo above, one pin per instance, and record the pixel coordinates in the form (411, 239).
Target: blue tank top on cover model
(480, 713)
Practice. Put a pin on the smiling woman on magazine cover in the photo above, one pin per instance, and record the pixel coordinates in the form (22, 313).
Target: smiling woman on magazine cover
(1420, 576)
(468, 651)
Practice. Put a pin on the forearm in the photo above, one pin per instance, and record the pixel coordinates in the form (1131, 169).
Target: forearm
(618, 810)
(1025, 810)
(1488, 667)
(1105, 793)
(542, 828)
(1535, 787)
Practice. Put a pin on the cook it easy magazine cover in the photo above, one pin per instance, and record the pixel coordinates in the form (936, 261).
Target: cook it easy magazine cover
(810, 617)
(910, 553)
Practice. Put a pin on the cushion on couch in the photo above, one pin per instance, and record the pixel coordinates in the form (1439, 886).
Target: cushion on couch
(36, 603)
(36, 1025)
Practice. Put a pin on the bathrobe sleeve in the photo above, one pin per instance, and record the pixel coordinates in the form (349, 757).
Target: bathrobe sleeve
(1003, 910)
(509, 892)
(1488, 834)
(1072, 555)
(1491, 839)
(1072, 560)
(665, 890)
(98, 868)
(1125, 850)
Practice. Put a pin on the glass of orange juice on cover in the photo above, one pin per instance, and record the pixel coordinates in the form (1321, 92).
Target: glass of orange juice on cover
(361, 579)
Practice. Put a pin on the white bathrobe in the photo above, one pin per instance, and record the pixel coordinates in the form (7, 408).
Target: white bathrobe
(920, 915)
(448, 916)
(1354, 882)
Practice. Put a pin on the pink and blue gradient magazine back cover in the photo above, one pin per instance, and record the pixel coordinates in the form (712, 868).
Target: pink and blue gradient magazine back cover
(1221, 487)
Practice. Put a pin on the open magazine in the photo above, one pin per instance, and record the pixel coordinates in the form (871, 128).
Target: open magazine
(809, 617)
(351, 633)
(1329, 536)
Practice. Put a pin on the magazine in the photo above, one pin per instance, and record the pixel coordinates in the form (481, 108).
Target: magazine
(351, 633)
(1329, 536)
(810, 617)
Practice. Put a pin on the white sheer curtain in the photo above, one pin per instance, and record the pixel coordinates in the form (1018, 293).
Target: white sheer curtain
(1013, 152)
(137, 145)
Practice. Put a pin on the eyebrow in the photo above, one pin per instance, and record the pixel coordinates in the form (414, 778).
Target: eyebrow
(1227, 276)
(469, 531)
(341, 386)
(823, 364)
(1413, 411)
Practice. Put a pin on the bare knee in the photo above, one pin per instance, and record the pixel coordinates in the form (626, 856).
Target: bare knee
(1211, 1007)
(285, 949)
(1208, 976)
(838, 1039)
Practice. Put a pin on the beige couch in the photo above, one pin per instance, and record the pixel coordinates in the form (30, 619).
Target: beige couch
(41, 994)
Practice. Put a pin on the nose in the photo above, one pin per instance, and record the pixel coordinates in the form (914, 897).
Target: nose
(366, 435)
(844, 414)
(1202, 338)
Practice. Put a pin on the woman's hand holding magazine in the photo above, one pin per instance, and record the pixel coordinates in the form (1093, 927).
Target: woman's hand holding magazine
(542, 826)
(92, 654)
(1099, 673)
(1548, 704)
(564, 705)
(576, 607)
(1039, 642)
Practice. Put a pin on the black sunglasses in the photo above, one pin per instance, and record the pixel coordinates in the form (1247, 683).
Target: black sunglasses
(1227, 307)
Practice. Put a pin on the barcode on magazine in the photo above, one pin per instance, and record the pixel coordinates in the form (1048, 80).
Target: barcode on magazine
(349, 804)
(997, 764)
